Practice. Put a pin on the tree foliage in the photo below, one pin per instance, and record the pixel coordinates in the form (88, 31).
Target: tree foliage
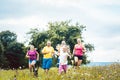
(15, 54)
(12, 53)
(7, 37)
(57, 32)
(1, 54)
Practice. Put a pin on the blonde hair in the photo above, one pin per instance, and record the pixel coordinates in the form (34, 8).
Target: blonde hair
(63, 42)
(32, 47)
(48, 42)
(78, 40)
(65, 48)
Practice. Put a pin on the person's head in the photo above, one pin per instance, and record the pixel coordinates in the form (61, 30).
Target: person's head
(48, 43)
(78, 40)
(32, 47)
(63, 43)
(64, 48)
(58, 46)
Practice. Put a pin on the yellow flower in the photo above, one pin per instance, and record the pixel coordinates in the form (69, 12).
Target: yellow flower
(99, 76)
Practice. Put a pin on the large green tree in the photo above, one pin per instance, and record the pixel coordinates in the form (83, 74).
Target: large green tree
(7, 37)
(2, 59)
(12, 53)
(58, 31)
(15, 54)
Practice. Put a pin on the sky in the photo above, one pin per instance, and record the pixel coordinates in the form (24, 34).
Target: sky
(101, 18)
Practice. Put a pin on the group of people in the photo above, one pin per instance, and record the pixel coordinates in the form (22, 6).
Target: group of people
(63, 51)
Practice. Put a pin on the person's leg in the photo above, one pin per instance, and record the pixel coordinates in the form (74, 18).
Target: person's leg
(44, 64)
(30, 66)
(33, 64)
(48, 64)
(80, 60)
(76, 61)
(60, 69)
(65, 68)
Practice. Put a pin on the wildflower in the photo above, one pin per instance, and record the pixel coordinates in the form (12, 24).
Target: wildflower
(20, 67)
(102, 78)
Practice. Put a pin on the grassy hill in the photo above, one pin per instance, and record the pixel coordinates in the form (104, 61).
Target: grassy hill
(111, 72)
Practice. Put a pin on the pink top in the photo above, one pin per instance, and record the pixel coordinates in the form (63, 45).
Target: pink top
(78, 50)
(32, 54)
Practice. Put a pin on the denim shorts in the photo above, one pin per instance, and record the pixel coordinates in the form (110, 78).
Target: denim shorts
(30, 61)
(47, 62)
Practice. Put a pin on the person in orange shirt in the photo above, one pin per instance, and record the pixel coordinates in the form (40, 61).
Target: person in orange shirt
(47, 52)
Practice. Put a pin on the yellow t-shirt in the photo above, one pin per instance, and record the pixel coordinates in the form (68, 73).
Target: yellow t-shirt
(49, 51)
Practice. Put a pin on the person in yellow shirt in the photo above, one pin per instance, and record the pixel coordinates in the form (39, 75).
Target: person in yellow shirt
(47, 52)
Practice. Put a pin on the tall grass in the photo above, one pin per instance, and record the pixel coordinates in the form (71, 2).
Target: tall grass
(111, 72)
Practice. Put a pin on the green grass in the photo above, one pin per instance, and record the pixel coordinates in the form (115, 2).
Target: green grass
(111, 72)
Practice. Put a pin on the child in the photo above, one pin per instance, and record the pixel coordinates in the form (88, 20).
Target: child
(63, 60)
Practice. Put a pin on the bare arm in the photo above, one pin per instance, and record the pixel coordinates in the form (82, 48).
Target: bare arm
(84, 49)
(74, 50)
(37, 56)
(27, 56)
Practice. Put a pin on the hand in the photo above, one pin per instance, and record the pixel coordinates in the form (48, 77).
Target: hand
(46, 52)
(28, 56)
(84, 51)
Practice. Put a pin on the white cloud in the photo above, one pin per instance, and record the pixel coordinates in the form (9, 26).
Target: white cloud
(90, 8)
(28, 21)
(76, 3)
(22, 25)
(87, 11)
(106, 48)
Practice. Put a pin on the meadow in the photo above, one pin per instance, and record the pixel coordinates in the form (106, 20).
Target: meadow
(110, 72)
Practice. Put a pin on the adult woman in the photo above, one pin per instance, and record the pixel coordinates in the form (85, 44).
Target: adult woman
(78, 52)
(47, 51)
(33, 56)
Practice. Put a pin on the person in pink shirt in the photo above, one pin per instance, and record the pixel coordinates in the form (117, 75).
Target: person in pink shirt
(78, 52)
(33, 56)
